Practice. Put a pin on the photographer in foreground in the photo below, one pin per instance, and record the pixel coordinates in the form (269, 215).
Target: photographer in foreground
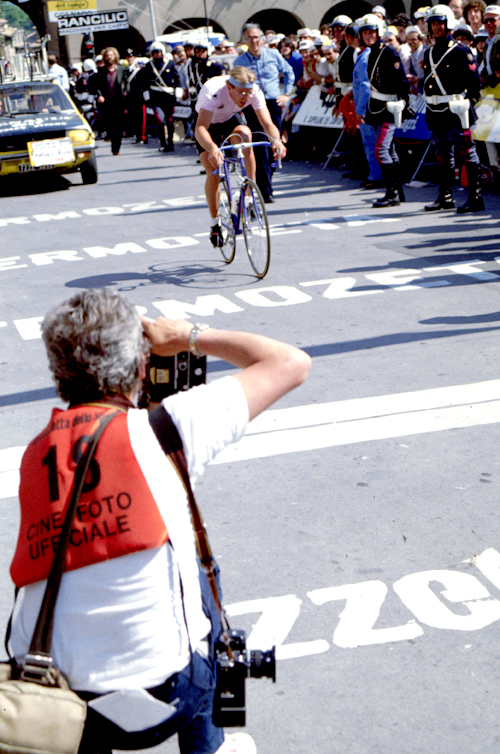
(134, 625)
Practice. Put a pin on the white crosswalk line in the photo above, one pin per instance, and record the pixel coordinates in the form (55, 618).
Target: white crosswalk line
(326, 425)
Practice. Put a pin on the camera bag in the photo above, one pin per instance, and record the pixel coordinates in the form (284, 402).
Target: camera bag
(39, 713)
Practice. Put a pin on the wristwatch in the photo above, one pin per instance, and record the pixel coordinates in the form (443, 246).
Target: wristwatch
(193, 339)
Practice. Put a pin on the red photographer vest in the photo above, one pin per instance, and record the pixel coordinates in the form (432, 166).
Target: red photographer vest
(116, 514)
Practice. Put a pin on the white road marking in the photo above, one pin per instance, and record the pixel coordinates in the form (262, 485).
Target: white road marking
(326, 425)
(356, 625)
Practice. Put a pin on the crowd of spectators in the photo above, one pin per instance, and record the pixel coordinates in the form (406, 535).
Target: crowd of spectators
(142, 96)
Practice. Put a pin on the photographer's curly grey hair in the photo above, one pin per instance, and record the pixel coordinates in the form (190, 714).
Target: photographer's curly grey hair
(95, 345)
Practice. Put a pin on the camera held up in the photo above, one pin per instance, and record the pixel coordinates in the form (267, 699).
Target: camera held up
(234, 664)
(166, 375)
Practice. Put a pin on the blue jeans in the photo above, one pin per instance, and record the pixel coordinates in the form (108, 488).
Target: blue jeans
(191, 692)
(368, 139)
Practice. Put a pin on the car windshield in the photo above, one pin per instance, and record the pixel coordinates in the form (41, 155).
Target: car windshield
(21, 99)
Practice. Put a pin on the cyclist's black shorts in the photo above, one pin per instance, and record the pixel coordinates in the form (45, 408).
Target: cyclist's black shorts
(220, 131)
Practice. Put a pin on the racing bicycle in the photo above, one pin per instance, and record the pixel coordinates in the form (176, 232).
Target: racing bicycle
(241, 208)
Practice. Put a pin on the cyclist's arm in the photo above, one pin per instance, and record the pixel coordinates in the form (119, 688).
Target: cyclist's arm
(202, 136)
(279, 149)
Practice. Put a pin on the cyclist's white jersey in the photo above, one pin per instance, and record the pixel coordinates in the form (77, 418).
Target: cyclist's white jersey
(214, 96)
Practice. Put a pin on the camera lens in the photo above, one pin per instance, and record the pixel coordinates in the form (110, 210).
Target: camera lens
(263, 663)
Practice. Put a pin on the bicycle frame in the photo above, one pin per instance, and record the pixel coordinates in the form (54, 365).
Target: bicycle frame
(241, 175)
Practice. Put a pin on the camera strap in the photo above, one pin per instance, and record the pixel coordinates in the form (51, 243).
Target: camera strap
(168, 436)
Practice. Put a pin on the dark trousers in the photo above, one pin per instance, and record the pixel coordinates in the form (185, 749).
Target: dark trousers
(263, 155)
(190, 694)
(113, 117)
(163, 107)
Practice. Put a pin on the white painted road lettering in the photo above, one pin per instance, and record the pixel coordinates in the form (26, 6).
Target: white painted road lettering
(356, 625)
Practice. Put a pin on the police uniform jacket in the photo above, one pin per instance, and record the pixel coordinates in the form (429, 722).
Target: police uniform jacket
(345, 65)
(198, 72)
(131, 80)
(456, 68)
(387, 76)
(157, 74)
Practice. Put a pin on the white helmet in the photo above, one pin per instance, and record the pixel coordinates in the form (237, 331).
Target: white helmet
(341, 21)
(370, 21)
(441, 13)
(157, 47)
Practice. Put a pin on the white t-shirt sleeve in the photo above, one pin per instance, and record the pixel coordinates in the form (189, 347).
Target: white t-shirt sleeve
(257, 100)
(206, 99)
(208, 418)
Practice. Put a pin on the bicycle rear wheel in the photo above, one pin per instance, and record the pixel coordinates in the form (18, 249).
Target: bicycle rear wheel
(228, 248)
(256, 229)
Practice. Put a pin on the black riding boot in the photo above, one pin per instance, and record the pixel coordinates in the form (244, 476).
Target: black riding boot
(474, 201)
(445, 197)
(391, 198)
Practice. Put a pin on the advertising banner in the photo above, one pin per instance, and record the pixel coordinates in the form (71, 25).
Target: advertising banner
(487, 127)
(59, 8)
(316, 110)
(415, 128)
(80, 22)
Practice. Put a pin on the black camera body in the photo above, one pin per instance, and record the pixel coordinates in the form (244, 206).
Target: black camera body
(166, 375)
(232, 671)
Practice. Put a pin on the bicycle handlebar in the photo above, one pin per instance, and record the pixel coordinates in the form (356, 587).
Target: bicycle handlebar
(246, 145)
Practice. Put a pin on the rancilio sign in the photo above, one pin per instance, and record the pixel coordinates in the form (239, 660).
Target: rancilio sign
(78, 22)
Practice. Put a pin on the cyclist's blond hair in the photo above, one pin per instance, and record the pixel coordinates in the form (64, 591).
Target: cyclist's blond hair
(242, 75)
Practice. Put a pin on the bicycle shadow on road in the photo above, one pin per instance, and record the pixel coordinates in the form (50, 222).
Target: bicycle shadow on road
(198, 276)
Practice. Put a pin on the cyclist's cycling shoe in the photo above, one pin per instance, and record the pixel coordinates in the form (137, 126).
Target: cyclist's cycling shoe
(216, 236)
(251, 211)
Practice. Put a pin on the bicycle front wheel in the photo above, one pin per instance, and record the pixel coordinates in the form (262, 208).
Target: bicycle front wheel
(256, 229)
(228, 248)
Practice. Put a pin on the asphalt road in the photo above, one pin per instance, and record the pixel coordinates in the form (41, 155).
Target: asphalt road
(356, 523)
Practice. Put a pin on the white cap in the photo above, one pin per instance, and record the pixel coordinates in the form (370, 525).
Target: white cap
(304, 33)
(380, 9)
(305, 45)
(413, 30)
(89, 65)
(493, 9)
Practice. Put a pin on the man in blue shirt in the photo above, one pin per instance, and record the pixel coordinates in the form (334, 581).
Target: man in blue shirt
(361, 94)
(267, 64)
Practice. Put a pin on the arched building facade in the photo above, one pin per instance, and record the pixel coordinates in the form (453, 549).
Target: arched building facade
(227, 16)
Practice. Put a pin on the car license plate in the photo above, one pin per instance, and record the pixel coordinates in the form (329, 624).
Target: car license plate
(25, 167)
(50, 152)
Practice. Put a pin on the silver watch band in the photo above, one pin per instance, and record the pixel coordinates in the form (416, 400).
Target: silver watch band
(193, 339)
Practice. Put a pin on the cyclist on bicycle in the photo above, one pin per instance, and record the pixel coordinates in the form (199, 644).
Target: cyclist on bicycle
(219, 107)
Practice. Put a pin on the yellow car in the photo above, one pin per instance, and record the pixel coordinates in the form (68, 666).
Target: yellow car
(41, 129)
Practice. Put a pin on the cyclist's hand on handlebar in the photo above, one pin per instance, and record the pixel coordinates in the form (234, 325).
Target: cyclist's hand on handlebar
(279, 149)
(214, 156)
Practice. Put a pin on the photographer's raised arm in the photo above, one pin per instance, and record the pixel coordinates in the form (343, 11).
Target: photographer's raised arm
(270, 368)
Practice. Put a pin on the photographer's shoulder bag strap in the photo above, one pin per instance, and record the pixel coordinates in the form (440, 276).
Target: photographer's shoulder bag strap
(38, 660)
(168, 436)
